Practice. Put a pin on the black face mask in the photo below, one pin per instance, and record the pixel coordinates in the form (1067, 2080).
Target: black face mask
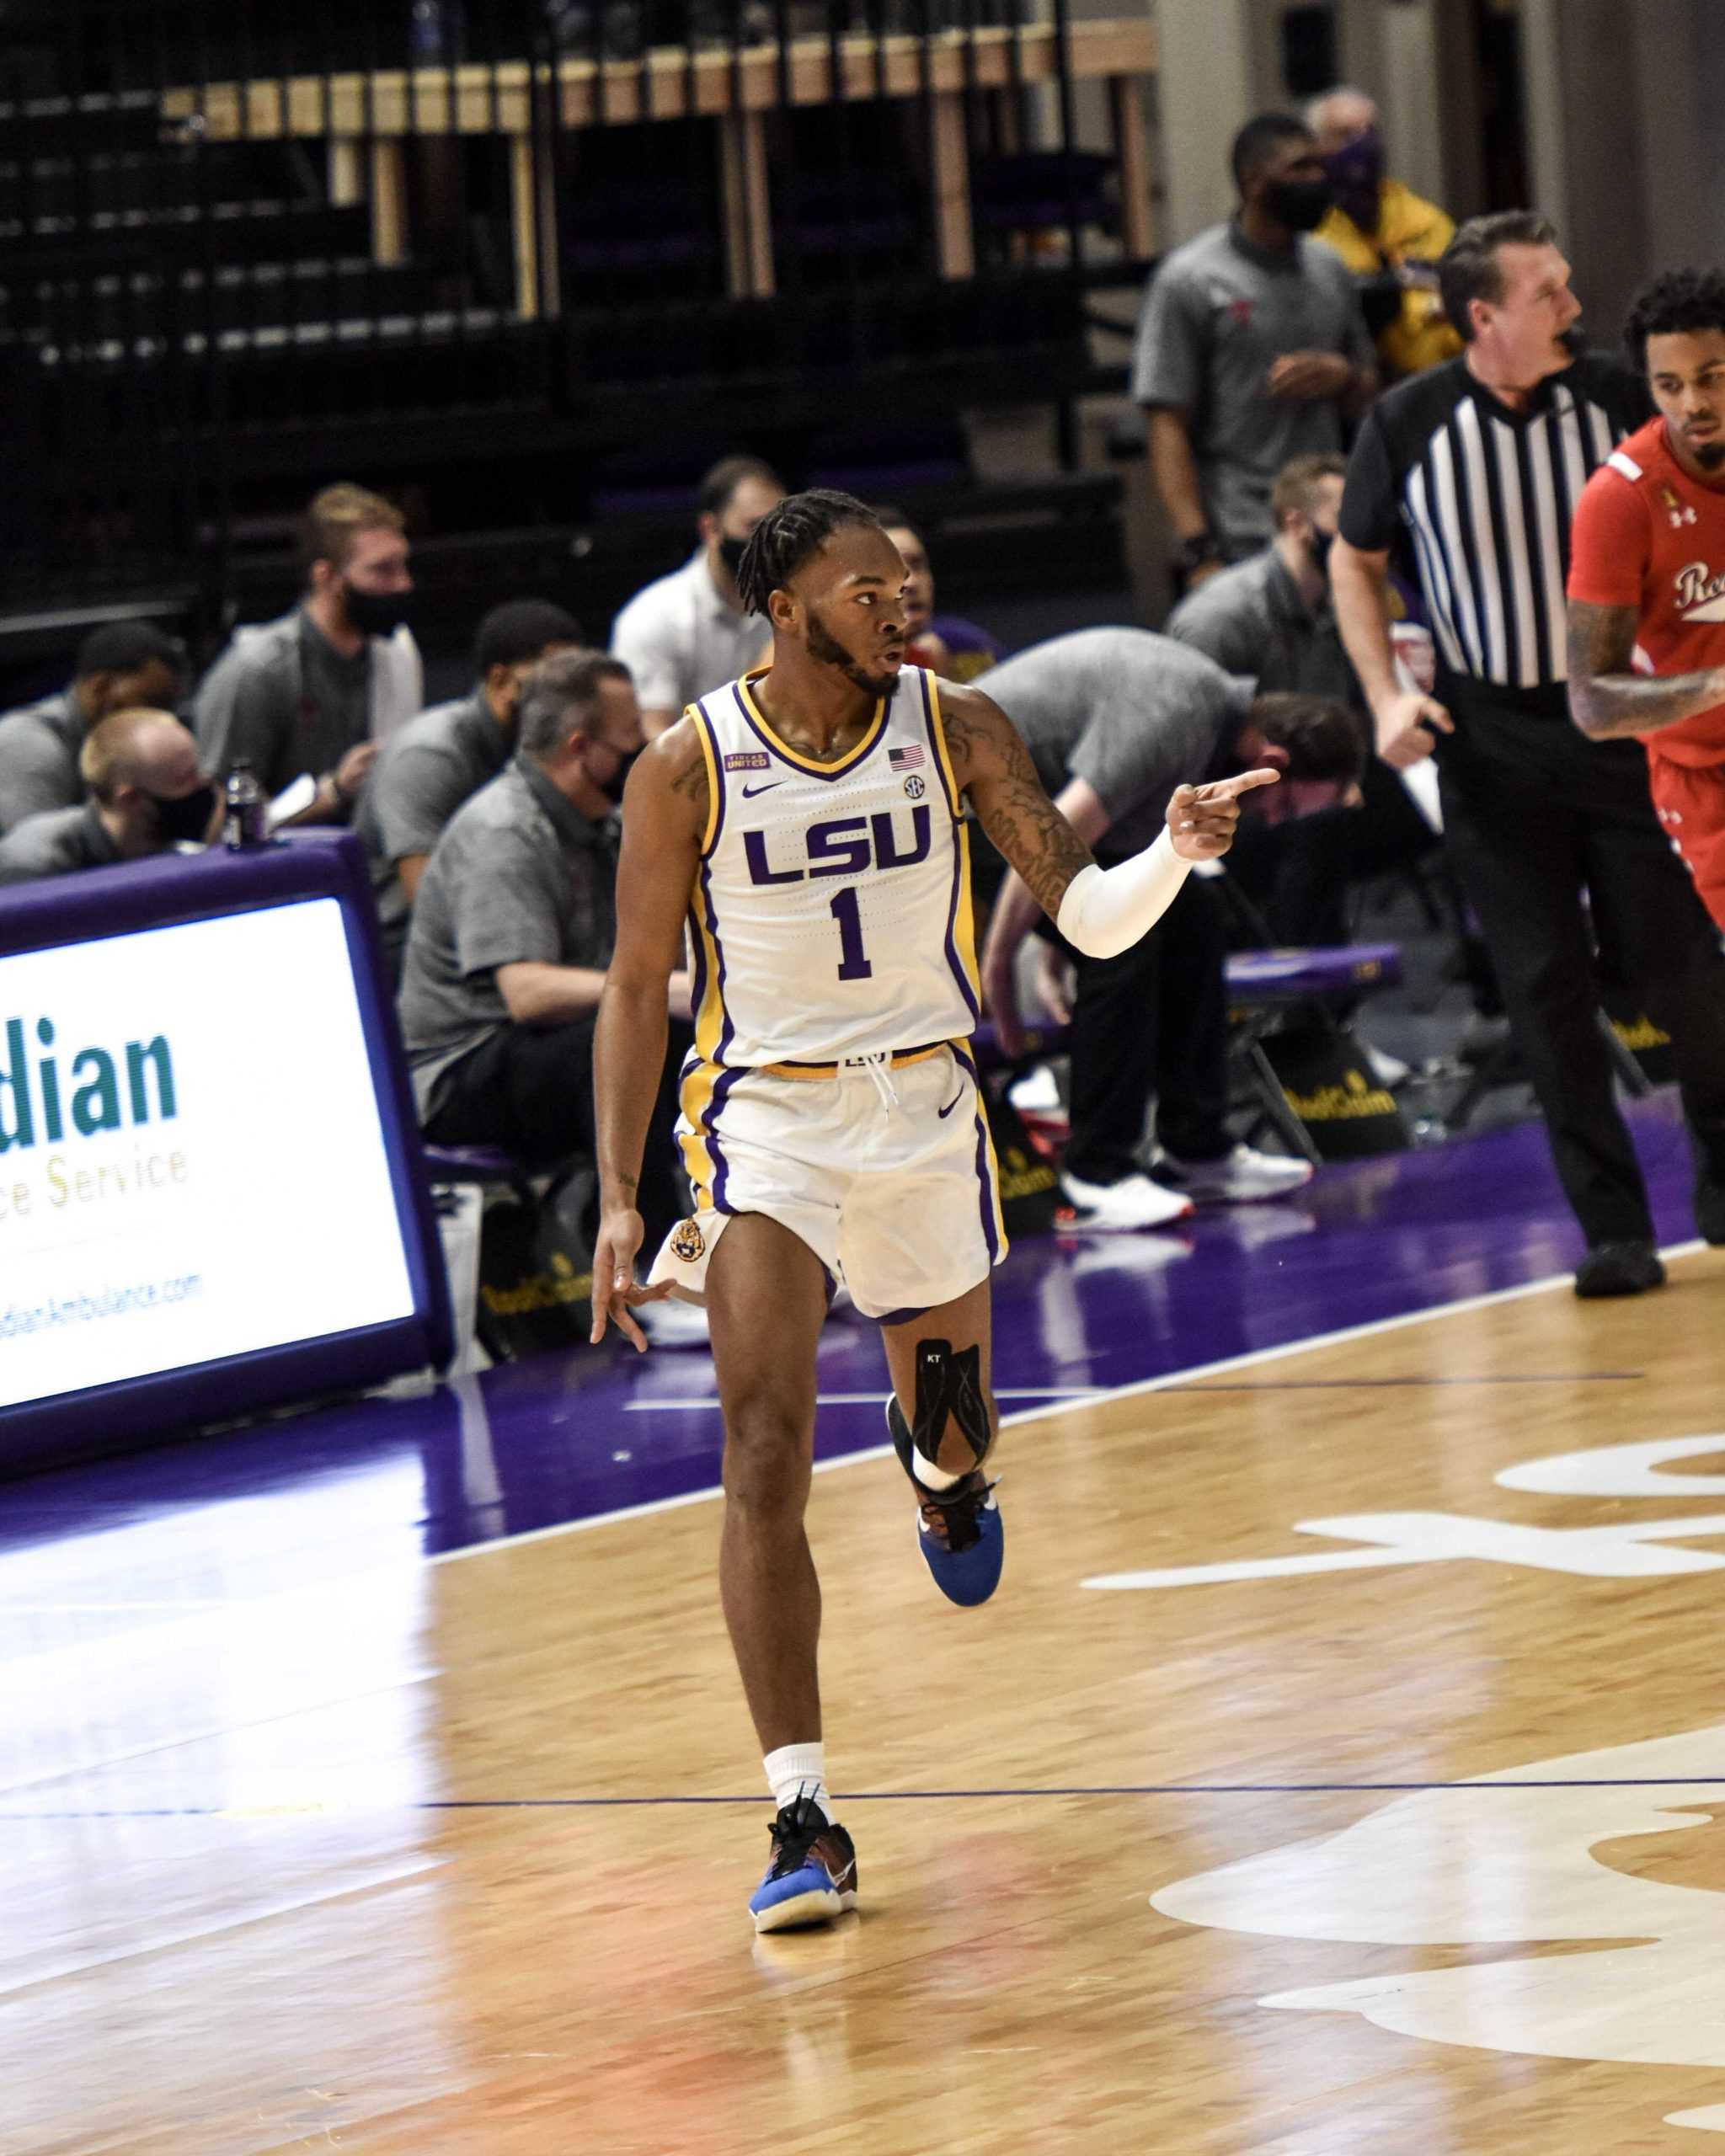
(730, 552)
(375, 613)
(183, 817)
(1300, 204)
(612, 787)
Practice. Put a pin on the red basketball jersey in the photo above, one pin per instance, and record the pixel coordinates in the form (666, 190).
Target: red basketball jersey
(1647, 535)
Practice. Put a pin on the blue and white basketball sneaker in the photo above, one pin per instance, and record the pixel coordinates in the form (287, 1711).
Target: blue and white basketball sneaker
(959, 1531)
(812, 1874)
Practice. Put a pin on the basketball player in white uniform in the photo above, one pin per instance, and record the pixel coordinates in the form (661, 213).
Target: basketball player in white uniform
(805, 825)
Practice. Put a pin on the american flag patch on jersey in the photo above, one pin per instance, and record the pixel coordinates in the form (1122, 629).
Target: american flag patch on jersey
(905, 759)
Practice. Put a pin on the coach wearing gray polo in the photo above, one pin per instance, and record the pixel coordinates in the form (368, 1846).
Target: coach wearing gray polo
(690, 634)
(1252, 348)
(444, 756)
(513, 929)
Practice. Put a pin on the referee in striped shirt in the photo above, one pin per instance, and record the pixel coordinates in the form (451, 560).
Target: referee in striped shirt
(1470, 474)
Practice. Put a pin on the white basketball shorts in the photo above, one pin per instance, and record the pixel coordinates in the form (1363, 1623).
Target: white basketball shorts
(884, 1169)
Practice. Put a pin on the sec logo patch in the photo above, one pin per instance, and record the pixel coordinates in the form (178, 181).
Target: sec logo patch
(915, 787)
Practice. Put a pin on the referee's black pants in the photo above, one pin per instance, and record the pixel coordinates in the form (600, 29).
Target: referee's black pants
(1543, 826)
(1154, 1020)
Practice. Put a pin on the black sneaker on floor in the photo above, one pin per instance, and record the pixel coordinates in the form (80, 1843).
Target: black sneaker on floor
(1710, 1208)
(813, 1873)
(1619, 1269)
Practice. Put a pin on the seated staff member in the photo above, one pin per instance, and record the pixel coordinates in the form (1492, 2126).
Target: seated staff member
(126, 666)
(1647, 579)
(314, 693)
(514, 928)
(444, 756)
(1115, 720)
(147, 793)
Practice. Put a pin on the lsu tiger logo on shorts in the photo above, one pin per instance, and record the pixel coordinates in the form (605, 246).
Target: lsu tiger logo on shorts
(688, 1243)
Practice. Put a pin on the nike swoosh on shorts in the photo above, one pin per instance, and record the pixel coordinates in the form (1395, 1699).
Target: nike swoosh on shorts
(951, 1104)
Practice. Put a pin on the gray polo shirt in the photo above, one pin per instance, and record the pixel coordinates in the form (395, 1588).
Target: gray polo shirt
(1217, 315)
(680, 640)
(1251, 620)
(1135, 714)
(520, 874)
(57, 839)
(425, 773)
(284, 700)
(39, 753)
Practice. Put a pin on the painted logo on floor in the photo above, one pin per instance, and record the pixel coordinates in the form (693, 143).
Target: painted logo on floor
(1470, 1866)
(1624, 1549)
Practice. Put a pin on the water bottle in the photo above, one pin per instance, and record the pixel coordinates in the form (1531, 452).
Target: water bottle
(244, 823)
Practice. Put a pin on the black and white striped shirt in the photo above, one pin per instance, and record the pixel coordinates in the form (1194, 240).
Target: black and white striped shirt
(1477, 500)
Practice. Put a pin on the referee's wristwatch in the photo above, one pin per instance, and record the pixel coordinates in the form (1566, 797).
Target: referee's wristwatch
(1197, 552)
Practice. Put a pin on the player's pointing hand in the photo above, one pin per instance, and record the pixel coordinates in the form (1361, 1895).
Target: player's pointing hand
(1202, 818)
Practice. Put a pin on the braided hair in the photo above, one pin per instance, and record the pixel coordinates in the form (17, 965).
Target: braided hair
(788, 535)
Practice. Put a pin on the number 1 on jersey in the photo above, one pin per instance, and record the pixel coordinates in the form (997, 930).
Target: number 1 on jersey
(848, 914)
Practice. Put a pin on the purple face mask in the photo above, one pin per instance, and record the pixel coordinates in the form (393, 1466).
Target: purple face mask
(1356, 172)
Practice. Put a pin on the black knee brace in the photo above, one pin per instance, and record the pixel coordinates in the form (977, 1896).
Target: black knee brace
(949, 1386)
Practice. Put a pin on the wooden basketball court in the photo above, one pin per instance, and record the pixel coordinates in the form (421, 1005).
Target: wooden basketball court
(419, 1858)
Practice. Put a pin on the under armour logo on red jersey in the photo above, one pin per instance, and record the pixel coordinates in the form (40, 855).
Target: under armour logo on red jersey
(1680, 512)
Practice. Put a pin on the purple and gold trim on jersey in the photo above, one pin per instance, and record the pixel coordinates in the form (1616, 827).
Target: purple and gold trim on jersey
(759, 726)
(715, 778)
(705, 1077)
(961, 915)
(988, 1171)
(705, 1087)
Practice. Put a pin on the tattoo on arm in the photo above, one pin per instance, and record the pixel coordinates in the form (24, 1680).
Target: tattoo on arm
(1014, 810)
(691, 782)
(1607, 698)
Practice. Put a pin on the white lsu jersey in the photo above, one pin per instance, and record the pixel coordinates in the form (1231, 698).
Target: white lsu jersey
(830, 915)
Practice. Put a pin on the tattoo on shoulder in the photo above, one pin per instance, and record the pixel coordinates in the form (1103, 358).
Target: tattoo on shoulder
(690, 780)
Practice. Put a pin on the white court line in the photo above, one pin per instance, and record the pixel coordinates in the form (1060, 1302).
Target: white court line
(1161, 1384)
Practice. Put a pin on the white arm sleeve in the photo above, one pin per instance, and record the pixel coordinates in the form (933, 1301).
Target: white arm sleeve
(1105, 910)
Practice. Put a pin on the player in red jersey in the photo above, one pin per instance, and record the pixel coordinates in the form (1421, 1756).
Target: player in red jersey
(1646, 575)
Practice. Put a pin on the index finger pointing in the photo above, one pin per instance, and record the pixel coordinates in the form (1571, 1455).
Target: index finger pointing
(1231, 789)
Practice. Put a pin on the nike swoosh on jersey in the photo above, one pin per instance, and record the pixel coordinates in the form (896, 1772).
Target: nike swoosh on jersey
(952, 1103)
(749, 792)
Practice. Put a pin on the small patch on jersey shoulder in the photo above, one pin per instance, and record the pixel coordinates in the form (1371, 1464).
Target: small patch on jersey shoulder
(747, 759)
(688, 1245)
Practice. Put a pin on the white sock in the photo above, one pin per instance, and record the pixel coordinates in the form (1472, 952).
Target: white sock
(796, 1770)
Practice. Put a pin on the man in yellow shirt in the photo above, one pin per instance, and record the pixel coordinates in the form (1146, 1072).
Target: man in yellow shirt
(1387, 236)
